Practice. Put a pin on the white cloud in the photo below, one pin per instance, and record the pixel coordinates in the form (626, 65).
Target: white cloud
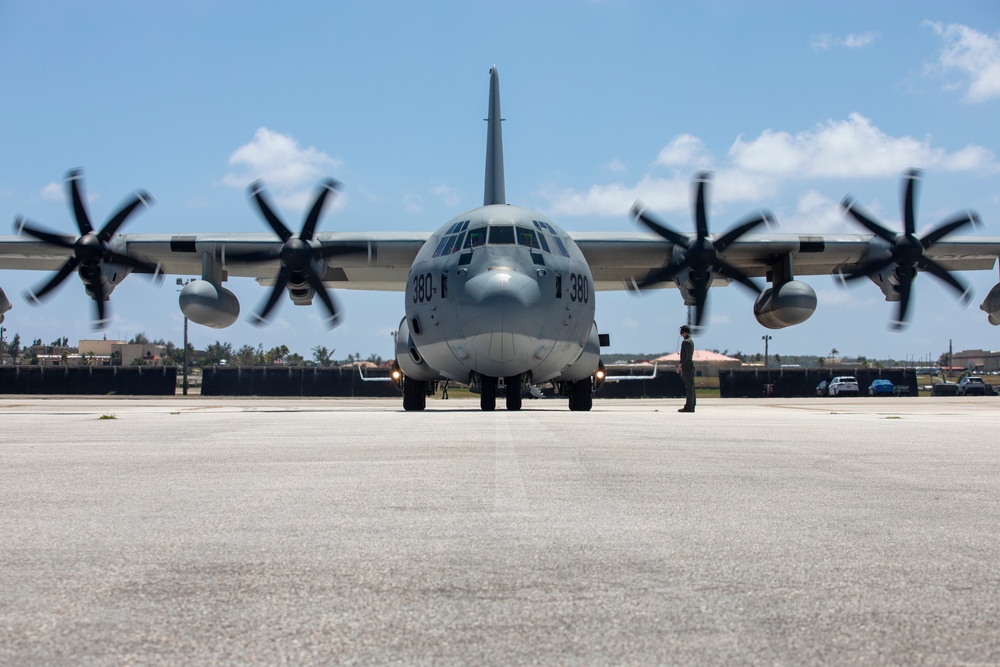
(826, 41)
(57, 192)
(756, 169)
(412, 203)
(289, 171)
(447, 195)
(616, 165)
(974, 55)
(684, 150)
(53, 192)
(841, 149)
(815, 213)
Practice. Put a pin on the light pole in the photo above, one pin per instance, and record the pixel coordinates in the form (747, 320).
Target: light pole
(766, 338)
(184, 382)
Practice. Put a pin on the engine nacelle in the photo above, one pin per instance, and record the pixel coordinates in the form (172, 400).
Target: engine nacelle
(4, 304)
(789, 303)
(209, 304)
(408, 357)
(589, 361)
(991, 305)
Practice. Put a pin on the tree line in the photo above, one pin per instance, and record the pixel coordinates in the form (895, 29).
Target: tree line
(218, 353)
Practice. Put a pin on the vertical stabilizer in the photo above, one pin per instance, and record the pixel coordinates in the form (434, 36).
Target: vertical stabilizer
(494, 191)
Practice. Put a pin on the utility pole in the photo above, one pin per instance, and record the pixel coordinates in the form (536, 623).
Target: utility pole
(184, 381)
(766, 338)
(950, 364)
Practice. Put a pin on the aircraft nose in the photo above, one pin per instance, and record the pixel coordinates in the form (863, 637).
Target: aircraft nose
(501, 286)
(501, 321)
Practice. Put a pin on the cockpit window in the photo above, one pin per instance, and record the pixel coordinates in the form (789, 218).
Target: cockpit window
(545, 244)
(502, 235)
(475, 238)
(527, 237)
(458, 243)
(449, 245)
(559, 244)
(441, 245)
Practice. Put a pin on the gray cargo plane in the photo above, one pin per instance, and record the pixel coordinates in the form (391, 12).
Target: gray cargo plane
(502, 293)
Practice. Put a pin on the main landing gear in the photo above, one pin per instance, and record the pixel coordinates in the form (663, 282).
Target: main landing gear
(488, 392)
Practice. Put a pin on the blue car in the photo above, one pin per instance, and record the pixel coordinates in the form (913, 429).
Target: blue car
(880, 388)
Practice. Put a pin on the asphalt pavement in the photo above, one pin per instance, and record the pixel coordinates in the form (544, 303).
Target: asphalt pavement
(216, 531)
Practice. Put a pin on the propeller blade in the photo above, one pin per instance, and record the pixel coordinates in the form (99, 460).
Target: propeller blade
(52, 238)
(731, 272)
(326, 298)
(100, 319)
(854, 209)
(119, 218)
(960, 220)
(869, 268)
(677, 239)
(279, 287)
(942, 274)
(56, 280)
(700, 216)
(700, 292)
(138, 265)
(905, 289)
(257, 193)
(729, 237)
(309, 228)
(74, 180)
(662, 275)
(911, 181)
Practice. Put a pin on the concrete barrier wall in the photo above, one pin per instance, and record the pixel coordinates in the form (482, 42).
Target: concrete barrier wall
(797, 382)
(290, 381)
(99, 380)
(664, 385)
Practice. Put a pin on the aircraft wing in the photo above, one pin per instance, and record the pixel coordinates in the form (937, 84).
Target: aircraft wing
(376, 261)
(618, 259)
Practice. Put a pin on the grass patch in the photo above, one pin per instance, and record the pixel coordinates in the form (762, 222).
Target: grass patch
(108, 417)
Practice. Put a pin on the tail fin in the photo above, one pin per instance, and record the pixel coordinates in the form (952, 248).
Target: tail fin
(494, 190)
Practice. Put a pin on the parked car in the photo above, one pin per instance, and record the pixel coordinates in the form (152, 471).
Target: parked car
(821, 388)
(843, 385)
(971, 385)
(881, 387)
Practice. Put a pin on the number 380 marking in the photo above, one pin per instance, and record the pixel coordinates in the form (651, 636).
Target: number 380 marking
(423, 287)
(579, 288)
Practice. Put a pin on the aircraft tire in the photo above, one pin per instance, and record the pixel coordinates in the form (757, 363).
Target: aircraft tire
(581, 397)
(514, 397)
(414, 394)
(487, 394)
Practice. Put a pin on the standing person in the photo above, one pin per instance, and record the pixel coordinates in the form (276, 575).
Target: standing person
(686, 368)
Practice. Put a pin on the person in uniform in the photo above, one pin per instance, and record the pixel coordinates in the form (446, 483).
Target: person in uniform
(686, 368)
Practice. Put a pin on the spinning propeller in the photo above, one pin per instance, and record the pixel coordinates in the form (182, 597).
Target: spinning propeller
(906, 250)
(91, 250)
(701, 255)
(297, 253)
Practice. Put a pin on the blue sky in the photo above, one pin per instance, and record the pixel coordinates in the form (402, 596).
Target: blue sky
(791, 105)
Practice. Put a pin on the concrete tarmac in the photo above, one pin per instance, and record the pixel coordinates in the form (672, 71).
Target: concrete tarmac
(217, 531)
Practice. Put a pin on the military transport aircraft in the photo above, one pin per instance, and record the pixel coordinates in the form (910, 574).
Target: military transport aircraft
(501, 293)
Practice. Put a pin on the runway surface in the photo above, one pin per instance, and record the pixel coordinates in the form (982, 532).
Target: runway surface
(334, 531)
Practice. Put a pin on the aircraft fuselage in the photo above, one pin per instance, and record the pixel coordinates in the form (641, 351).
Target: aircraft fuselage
(500, 292)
